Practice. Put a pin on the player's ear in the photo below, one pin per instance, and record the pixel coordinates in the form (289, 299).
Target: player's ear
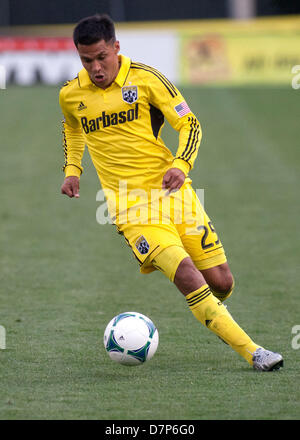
(117, 46)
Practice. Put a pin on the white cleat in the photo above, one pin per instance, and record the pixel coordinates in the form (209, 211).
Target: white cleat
(265, 360)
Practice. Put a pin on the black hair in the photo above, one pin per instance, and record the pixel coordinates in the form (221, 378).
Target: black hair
(92, 29)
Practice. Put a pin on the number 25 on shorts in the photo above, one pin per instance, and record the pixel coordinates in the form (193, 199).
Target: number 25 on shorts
(206, 245)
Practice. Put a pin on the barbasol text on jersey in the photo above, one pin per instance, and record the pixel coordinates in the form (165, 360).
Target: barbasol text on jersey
(90, 125)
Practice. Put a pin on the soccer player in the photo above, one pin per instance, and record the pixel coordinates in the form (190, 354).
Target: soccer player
(116, 107)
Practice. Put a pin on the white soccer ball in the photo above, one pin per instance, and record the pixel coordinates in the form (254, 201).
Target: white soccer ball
(130, 338)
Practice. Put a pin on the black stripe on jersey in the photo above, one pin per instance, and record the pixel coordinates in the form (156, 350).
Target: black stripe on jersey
(194, 143)
(159, 74)
(190, 137)
(170, 90)
(192, 140)
(151, 71)
(157, 120)
(64, 146)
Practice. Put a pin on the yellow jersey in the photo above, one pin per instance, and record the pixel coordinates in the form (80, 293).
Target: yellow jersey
(121, 127)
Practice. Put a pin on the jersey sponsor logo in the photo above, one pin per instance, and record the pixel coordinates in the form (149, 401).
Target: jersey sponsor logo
(130, 94)
(142, 245)
(105, 120)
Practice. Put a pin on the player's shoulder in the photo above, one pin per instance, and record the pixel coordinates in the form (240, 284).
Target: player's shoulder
(70, 87)
(145, 69)
(152, 76)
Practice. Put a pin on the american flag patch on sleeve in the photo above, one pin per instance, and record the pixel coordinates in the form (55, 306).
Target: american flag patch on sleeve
(182, 109)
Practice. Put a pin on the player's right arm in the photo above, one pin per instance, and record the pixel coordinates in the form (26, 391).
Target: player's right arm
(74, 144)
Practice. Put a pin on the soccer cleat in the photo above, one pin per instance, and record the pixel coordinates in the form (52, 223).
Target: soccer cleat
(265, 360)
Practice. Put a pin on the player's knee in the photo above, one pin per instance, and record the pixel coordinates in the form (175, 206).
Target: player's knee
(223, 290)
(223, 284)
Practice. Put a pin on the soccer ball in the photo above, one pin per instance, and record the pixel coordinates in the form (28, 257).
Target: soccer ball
(130, 338)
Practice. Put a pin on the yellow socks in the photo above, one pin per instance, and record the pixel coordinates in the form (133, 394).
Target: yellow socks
(213, 314)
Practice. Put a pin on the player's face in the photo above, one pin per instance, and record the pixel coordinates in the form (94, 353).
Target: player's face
(101, 61)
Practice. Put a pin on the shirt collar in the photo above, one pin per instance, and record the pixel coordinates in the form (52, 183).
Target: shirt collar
(84, 79)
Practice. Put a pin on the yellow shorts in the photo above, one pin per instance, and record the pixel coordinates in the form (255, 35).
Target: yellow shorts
(178, 220)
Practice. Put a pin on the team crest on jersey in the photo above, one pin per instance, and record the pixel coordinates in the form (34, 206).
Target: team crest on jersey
(142, 245)
(130, 94)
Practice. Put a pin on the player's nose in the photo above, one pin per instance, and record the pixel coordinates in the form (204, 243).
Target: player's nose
(96, 66)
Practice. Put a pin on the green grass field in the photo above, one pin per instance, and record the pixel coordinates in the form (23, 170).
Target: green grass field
(63, 276)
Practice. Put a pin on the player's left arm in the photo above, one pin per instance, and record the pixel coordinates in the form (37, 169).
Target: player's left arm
(165, 96)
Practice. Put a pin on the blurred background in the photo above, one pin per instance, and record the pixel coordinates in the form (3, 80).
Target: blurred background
(221, 42)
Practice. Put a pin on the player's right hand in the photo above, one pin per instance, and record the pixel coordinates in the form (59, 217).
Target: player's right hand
(70, 187)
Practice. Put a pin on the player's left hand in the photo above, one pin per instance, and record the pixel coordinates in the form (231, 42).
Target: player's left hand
(173, 180)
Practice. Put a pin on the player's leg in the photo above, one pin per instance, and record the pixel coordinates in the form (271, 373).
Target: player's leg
(220, 280)
(204, 305)
(210, 311)
(203, 244)
(159, 247)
